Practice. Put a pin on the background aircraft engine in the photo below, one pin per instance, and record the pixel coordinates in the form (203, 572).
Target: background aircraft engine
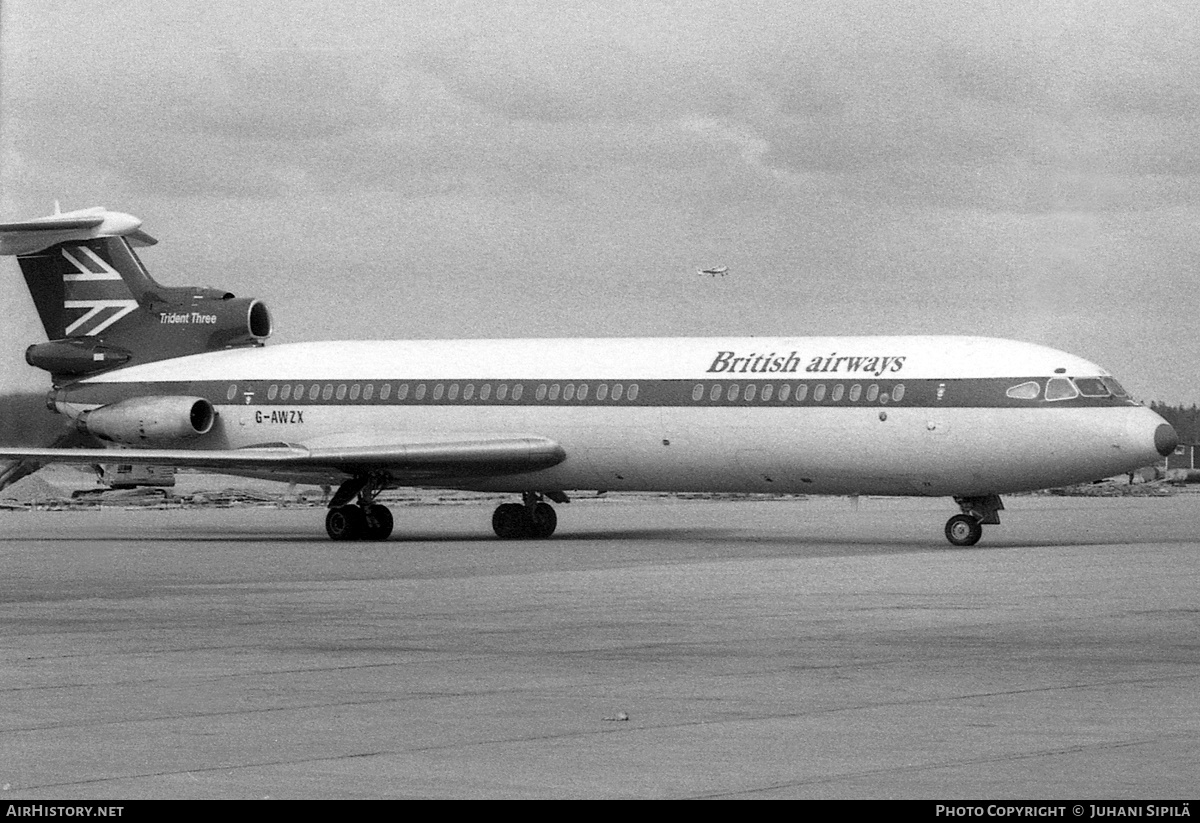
(146, 421)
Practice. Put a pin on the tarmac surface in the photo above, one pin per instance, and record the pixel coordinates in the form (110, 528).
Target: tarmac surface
(652, 649)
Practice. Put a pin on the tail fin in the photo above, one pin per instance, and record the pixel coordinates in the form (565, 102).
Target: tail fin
(80, 268)
(83, 288)
(102, 309)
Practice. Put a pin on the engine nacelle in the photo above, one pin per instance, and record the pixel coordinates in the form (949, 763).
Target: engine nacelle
(241, 321)
(76, 356)
(145, 421)
(213, 324)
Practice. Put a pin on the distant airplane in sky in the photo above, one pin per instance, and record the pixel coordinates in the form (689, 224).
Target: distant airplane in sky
(719, 270)
(182, 375)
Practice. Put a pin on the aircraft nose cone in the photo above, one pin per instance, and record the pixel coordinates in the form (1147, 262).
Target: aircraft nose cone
(1165, 439)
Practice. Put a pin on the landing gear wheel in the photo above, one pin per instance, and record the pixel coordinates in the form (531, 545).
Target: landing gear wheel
(963, 530)
(510, 522)
(514, 521)
(345, 523)
(378, 522)
(542, 521)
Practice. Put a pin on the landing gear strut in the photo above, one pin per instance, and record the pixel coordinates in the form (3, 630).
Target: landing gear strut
(965, 529)
(532, 519)
(366, 521)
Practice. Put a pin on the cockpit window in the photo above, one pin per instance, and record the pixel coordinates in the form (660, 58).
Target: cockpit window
(1091, 387)
(1025, 391)
(1060, 388)
(1114, 387)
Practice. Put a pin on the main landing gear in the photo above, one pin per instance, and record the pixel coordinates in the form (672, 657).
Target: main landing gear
(365, 521)
(532, 519)
(965, 529)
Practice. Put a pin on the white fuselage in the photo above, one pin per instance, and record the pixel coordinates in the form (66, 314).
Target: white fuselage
(865, 415)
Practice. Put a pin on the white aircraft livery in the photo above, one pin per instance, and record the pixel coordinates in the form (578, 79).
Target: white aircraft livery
(180, 377)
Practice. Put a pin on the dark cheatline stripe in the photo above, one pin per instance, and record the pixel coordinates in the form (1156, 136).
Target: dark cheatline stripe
(711, 393)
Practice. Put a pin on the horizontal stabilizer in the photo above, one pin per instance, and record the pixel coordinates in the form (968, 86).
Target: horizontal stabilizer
(139, 238)
(53, 224)
(31, 236)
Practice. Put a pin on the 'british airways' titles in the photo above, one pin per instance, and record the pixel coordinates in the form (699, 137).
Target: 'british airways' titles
(730, 362)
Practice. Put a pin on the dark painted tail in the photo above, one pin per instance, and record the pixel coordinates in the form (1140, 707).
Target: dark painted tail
(101, 308)
(82, 289)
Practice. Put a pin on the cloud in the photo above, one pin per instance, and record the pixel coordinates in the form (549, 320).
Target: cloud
(997, 107)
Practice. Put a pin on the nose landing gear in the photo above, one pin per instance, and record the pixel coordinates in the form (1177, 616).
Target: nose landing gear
(965, 529)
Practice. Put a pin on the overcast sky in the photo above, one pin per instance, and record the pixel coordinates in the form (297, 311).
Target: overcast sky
(510, 169)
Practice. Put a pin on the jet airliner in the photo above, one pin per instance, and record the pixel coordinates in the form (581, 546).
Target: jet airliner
(181, 377)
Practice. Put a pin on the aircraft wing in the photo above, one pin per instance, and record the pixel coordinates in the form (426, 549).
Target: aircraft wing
(21, 468)
(408, 462)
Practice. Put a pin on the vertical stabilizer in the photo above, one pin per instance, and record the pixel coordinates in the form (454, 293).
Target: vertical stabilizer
(83, 288)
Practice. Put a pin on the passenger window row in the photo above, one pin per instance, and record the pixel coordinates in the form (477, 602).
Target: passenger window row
(452, 392)
(752, 392)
